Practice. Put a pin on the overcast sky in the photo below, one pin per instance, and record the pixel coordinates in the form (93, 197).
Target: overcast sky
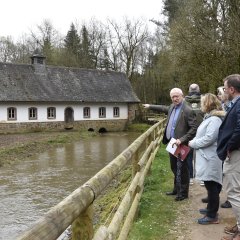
(19, 16)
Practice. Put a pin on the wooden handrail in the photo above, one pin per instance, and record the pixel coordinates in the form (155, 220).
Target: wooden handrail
(56, 221)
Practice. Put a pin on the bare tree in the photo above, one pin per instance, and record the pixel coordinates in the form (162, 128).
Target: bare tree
(7, 49)
(98, 42)
(127, 39)
(47, 38)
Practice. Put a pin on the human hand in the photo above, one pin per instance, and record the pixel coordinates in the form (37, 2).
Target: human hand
(146, 105)
(178, 142)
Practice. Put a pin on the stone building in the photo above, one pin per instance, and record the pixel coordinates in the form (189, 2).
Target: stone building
(36, 97)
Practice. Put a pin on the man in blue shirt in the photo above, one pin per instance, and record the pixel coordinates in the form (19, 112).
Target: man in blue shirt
(181, 125)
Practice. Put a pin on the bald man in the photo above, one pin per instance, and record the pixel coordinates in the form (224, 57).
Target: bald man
(181, 125)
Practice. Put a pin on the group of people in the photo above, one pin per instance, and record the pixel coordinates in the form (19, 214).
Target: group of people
(213, 134)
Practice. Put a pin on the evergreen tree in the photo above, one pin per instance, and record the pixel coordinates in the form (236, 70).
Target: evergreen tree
(72, 48)
(105, 61)
(171, 9)
(47, 50)
(72, 41)
(86, 54)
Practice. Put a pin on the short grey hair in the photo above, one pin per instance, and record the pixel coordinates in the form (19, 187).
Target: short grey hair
(176, 90)
(194, 88)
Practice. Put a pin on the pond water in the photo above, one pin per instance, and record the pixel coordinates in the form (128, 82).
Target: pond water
(30, 188)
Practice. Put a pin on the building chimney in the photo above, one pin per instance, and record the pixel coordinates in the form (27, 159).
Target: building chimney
(38, 62)
(37, 57)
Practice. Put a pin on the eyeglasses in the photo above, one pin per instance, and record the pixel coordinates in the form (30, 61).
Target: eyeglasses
(227, 88)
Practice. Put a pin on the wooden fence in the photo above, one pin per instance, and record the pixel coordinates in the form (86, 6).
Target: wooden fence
(153, 117)
(77, 208)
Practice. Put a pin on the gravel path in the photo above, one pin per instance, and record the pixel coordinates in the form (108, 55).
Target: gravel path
(189, 214)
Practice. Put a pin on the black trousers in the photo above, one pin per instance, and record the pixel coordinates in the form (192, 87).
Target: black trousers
(189, 160)
(213, 190)
(182, 187)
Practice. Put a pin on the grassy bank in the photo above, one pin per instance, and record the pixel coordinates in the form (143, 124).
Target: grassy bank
(22, 145)
(157, 212)
(27, 144)
(138, 127)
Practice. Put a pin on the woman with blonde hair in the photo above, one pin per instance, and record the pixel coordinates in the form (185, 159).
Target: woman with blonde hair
(208, 165)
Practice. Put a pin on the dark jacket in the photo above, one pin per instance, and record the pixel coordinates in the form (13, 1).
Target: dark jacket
(229, 132)
(194, 101)
(186, 125)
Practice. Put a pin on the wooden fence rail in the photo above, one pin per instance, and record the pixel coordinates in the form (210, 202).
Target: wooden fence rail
(77, 209)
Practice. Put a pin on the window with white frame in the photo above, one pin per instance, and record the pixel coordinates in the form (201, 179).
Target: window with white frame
(86, 112)
(116, 112)
(102, 112)
(12, 113)
(51, 113)
(32, 113)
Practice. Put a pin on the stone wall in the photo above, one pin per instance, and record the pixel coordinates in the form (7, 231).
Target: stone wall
(133, 112)
(108, 125)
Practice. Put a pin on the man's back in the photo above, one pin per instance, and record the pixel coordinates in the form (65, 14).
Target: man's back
(194, 101)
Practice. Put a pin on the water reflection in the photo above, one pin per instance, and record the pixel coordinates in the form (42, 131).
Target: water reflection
(30, 188)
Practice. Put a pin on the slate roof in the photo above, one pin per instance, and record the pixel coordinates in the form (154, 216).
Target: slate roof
(42, 83)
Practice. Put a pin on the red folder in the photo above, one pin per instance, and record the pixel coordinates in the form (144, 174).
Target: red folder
(183, 150)
(178, 151)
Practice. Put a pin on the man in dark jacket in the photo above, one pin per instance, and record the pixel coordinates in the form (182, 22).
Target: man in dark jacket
(228, 147)
(181, 125)
(194, 100)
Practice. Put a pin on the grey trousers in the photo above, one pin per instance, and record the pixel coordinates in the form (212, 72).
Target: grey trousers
(231, 182)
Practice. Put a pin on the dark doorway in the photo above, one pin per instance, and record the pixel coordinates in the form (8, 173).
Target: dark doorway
(69, 118)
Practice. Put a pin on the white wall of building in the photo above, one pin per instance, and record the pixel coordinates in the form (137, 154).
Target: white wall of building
(22, 112)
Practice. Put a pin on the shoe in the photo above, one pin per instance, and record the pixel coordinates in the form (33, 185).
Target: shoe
(235, 236)
(227, 204)
(207, 220)
(191, 181)
(171, 193)
(231, 230)
(180, 198)
(203, 211)
(205, 200)
(227, 238)
(202, 183)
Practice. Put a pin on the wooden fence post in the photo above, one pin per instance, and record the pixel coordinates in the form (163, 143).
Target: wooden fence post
(82, 227)
(135, 160)
(149, 140)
